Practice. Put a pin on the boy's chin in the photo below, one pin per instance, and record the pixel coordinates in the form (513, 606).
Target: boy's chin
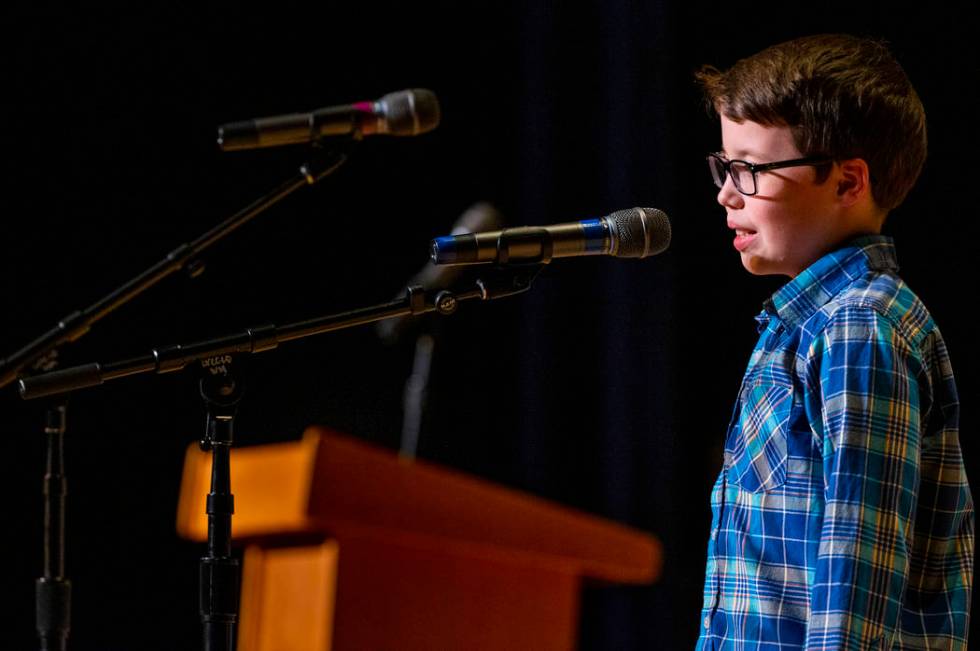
(762, 267)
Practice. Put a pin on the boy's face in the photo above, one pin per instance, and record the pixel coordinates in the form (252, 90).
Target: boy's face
(792, 220)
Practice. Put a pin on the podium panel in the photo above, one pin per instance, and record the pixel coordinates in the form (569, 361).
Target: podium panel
(415, 599)
(288, 597)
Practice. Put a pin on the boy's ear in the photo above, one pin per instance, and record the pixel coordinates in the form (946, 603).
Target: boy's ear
(854, 181)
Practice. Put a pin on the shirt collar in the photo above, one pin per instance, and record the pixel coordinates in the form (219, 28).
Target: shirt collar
(816, 285)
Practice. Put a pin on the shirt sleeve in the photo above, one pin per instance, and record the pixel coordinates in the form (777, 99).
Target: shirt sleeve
(864, 402)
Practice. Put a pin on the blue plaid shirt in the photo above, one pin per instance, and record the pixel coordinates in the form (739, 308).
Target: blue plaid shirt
(842, 518)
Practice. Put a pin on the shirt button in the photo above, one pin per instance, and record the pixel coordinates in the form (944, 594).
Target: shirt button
(707, 622)
(714, 535)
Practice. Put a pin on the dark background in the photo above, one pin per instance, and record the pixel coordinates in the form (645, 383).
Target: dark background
(608, 387)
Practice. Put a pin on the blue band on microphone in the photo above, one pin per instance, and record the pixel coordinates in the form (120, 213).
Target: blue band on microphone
(444, 250)
(595, 234)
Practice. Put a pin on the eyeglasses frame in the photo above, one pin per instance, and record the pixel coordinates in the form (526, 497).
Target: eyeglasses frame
(755, 168)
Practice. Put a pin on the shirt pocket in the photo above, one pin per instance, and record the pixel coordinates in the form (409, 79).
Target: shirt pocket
(756, 453)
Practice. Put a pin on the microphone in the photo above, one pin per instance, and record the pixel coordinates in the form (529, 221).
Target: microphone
(478, 217)
(633, 233)
(403, 113)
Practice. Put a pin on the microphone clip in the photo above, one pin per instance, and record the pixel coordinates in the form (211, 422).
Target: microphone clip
(526, 245)
(511, 280)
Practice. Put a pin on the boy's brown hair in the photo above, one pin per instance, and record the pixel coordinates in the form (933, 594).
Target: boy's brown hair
(842, 97)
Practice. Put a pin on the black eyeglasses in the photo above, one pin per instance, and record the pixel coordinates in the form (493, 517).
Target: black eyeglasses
(743, 172)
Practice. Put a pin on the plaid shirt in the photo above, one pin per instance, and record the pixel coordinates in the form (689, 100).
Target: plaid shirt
(842, 518)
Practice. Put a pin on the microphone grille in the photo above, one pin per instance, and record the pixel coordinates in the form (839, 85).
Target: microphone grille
(639, 232)
(410, 112)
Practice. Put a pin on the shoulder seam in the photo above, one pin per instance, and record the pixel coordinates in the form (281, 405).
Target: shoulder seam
(873, 303)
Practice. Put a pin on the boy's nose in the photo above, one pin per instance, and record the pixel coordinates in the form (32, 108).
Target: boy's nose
(729, 197)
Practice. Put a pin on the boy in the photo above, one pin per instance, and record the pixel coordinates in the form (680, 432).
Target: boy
(842, 518)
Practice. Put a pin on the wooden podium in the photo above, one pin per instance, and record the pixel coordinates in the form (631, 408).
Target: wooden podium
(348, 547)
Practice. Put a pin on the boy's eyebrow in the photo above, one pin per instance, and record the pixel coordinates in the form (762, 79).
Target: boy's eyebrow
(738, 153)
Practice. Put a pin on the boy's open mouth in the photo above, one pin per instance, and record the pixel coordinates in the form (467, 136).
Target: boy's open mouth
(743, 238)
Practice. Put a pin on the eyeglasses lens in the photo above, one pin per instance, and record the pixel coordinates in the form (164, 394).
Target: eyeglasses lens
(741, 174)
(718, 172)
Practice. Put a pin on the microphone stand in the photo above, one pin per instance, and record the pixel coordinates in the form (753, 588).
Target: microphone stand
(219, 579)
(415, 395)
(53, 589)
